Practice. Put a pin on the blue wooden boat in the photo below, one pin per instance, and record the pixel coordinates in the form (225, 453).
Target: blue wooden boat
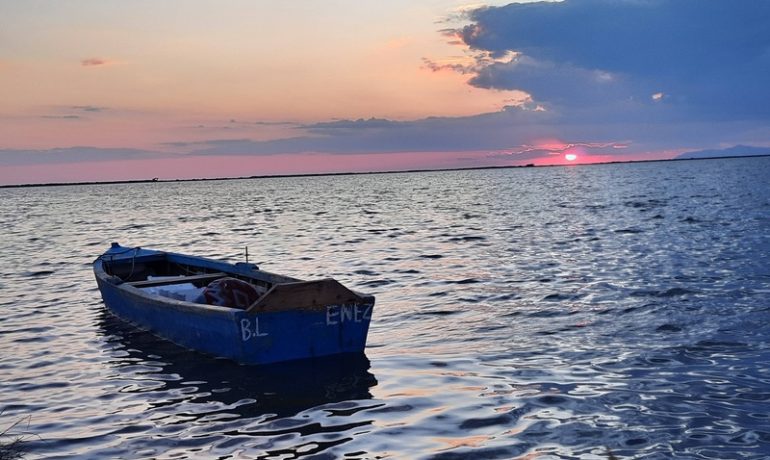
(281, 318)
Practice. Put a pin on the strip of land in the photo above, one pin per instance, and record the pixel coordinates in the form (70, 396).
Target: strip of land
(407, 171)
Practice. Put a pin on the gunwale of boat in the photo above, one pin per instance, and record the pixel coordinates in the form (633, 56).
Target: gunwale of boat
(130, 270)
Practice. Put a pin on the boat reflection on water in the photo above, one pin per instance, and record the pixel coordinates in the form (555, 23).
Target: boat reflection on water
(170, 374)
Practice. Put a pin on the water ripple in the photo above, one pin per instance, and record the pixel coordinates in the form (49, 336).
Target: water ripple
(588, 312)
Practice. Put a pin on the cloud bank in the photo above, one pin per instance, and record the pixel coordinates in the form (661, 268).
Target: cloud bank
(704, 59)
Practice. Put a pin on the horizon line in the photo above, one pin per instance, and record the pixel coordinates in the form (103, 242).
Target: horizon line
(361, 173)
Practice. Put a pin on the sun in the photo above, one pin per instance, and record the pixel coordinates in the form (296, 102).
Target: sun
(570, 157)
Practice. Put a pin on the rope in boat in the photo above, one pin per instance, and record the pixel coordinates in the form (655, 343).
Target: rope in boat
(133, 260)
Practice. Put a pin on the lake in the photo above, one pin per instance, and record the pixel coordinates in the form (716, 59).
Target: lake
(586, 312)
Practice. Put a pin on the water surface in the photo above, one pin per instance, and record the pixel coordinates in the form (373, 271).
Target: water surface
(523, 313)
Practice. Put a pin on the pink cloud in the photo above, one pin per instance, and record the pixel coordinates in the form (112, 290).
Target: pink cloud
(557, 147)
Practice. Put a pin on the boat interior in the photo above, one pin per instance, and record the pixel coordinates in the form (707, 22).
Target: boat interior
(160, 270)
(169, 275)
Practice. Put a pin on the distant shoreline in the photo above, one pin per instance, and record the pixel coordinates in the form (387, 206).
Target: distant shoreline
(408, 171)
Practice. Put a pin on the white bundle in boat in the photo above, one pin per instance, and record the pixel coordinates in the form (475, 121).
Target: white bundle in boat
(182, 291)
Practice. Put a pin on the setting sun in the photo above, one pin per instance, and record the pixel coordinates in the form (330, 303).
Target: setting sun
(570, 157)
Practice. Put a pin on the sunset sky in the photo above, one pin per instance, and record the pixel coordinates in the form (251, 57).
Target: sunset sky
(111, 90)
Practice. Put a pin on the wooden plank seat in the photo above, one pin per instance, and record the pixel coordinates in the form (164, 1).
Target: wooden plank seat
(165, 281)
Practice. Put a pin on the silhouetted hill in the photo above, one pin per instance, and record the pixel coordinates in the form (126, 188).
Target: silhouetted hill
(735, 151)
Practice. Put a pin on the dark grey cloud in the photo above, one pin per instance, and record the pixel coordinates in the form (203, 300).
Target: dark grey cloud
(549, 82)
(88, 108)
(15, 157)
(703, 56)
(459, 68)
(353, 125)
(62, 117)
(81, 112)
(240, 125)
(262, 122)
(273, 123)
(509, 131)
(374, 135)
(95, 62)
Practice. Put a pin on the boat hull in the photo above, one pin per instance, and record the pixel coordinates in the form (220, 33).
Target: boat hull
(247, 338)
